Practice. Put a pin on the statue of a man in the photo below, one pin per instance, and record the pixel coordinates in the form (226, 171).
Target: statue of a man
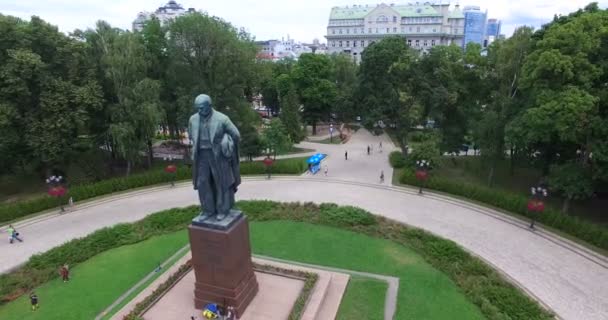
(215, 157)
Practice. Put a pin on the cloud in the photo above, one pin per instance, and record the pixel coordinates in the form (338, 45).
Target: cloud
(301, 20)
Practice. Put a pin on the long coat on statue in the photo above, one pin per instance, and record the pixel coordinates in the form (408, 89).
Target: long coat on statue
(224, 137)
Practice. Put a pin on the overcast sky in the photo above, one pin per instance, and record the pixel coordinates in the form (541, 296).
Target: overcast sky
(302, 20)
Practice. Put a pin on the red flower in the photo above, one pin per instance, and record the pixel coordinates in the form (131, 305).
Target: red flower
(171, 168)
(267, 162)
(536, 205)
(58, 191)
(421, 175)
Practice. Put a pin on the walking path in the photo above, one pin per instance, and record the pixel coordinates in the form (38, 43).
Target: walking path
(562, 275)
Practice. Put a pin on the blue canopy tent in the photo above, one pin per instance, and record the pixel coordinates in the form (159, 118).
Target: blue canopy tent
(314, 162)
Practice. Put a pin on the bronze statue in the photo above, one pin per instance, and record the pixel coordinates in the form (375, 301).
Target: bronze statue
(215, 157)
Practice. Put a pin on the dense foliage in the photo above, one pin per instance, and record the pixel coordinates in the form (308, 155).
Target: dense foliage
(110, 89)
(536, 98)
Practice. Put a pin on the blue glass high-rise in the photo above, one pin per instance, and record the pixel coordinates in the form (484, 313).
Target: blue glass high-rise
(474, 25)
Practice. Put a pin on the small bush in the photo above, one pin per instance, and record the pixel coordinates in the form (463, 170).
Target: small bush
(516, 203)
(397, 160)
(345, 216)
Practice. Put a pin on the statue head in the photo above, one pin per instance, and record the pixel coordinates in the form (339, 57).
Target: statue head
(202, 104)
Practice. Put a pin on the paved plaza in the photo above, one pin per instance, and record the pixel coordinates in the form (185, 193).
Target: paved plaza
(563, 276)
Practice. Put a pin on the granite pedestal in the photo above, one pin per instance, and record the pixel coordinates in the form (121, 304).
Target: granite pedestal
(221, 260)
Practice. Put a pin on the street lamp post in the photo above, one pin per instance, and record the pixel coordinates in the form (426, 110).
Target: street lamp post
(57, 189)
(536, 205)
(422, 172)
(172, 170)
(268, 163)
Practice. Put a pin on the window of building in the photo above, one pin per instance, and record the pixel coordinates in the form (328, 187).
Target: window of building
(355, 30)
(395, 30)
(340, 32)
(434, 30)
(340, 43)
(333, 43)
(432, 43)
(376, 30)
(363, 43)
(425, 43)
(394, 19)
(382, 19)
(362, 30)
(409, 43)
(417, 43)
(354, 43)
(369, 30)
(347, 44)
(388, 30)
(333, 31)
(411, 29)
(417, 30)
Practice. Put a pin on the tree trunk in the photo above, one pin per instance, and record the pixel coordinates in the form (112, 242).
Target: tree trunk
(150, 154)
(314, 128)
(128, 167)
(403, 145)
(512, 162)
(491, 174)
(566, 205)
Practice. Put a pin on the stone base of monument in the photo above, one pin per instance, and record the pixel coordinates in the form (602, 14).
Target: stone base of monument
(274, 301)
(221, 260)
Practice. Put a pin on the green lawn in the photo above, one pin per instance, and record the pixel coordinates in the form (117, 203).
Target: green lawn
(363, 299)
(96, 283)
(424, 292)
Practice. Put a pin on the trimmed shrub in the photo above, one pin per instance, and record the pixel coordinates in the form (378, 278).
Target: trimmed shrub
(20, 209)
(396, 159)
(516, 203)
(346, 216)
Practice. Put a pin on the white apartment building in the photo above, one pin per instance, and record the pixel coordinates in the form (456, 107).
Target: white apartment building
(423, 25)
(164, 14)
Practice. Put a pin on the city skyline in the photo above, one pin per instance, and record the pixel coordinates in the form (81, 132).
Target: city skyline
(272, 19)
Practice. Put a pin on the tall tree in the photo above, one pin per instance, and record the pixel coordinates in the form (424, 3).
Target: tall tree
(568, 115)
(385, 88)
(209, 55)
(345, 77)
(136, 114)
(290, 116)
(503, 73)
(47, 92)
(311, 76)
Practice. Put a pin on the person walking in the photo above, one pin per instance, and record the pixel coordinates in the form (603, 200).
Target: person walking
(368, 149)
(380, 146)
(382, 176)
(346, 155)
(34, 300)
(65, 272)
(13, 234)
(326, 169)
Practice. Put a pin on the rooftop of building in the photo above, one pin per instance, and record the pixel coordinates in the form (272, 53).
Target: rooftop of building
(426, 9)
